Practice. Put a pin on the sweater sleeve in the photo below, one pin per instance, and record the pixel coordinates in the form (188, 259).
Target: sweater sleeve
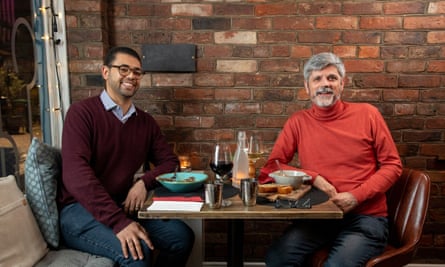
(284, 151)
(79, 178)
(388, 160)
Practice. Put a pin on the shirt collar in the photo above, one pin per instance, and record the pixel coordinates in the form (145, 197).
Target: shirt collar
(109, 104)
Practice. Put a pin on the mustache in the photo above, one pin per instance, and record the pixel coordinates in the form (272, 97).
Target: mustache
(324, 90)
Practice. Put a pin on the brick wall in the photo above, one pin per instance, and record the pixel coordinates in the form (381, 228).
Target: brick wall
(250, 57)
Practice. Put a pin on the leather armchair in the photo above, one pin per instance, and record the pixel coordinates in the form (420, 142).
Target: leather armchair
(407, 207)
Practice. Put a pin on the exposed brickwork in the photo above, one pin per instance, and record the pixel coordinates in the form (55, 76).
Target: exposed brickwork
(250, 56)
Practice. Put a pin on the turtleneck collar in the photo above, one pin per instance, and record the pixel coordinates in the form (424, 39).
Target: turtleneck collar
(328, 113)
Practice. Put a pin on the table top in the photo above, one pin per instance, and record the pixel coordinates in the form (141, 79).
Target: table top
(325, 210)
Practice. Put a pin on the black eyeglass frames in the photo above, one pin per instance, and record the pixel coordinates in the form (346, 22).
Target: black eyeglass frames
(125, 70)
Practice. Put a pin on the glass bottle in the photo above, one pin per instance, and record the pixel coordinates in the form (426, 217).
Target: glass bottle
(240, 160)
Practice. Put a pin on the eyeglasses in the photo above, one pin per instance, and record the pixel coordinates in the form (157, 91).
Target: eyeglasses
(125, 70)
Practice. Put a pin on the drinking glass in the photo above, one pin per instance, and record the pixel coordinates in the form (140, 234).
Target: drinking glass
(254, 152)
(255, 147)
(221, 164)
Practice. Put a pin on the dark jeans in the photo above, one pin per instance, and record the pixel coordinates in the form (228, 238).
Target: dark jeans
(173, 238)
(354, 240)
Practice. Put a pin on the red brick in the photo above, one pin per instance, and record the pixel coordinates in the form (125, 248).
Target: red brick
(263, 51)
(406, 66)
(422, 81)
(300, 51)
(213, 108)
(357, 8)
(362, 95)
(435, 37)
(319, 8)
(195, 37)
(436, 66)
(426, 22)
(176, 24)
(83, 6)
(164, 121)
(331, 37)
(382, 23)
(404, 109)
(272, 108)
(252, 79)
(345, 51)
(424, 52)
(193, 93)
(360, 37)
(276, 37)
(405, 38)
(369, 52)
(85, 66)
(162, 80)
(270, 122)
(341, 23)
(261, 23)
(233, 94)
(429, 109)
(293, 23)
(214, 79)
(242, 108)
(402, 8)
(233, 10)
(275, 9)
(400, 95)
(218, 51)
(364, 65)
(280, 66)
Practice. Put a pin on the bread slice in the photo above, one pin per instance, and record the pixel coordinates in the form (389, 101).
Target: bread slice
(284, 189)
(267, 188)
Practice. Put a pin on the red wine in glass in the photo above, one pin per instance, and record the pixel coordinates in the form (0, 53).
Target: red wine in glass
(222, 168)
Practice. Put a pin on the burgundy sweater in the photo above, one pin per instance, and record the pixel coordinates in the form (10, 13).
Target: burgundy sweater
(101, 155)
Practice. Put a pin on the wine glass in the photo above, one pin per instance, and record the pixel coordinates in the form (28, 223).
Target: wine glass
(221, 164)
(255, 148)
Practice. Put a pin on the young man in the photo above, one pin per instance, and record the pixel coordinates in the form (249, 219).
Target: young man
(348, 151)
(105, 141)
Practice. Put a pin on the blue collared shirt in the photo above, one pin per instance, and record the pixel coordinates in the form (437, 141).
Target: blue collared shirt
(115, 108)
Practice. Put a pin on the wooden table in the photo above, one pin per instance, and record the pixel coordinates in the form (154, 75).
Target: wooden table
(237, 212)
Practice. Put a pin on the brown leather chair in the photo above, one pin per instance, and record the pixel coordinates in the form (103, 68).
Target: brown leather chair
(407, 207)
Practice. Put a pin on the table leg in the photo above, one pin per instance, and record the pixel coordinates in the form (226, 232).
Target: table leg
(235, 242)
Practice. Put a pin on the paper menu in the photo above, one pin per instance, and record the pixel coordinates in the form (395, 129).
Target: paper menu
(175, 206)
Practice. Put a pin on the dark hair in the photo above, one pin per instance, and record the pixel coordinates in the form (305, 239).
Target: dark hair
(111, 55)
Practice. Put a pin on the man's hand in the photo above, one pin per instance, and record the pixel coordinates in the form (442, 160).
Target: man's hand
(345, 201)
(130, 238)
(135, 198)
(321, 183)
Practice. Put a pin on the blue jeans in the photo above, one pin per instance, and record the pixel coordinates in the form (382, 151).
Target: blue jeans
(353, 241)
(173, 238)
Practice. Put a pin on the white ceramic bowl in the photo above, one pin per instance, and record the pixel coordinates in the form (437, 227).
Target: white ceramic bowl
(289, 177)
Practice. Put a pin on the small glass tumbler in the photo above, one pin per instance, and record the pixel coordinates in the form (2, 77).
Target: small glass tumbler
(185, 164)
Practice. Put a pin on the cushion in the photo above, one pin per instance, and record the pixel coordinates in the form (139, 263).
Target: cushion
(42, 170)
(72, 258)
(21, 242)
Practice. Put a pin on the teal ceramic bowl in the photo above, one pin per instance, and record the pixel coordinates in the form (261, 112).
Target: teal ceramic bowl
(184, 182)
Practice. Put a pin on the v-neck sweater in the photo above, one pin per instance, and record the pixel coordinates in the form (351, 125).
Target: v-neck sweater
(101, 155)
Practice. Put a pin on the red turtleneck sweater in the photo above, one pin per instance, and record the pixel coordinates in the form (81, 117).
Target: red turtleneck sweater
(348, 144)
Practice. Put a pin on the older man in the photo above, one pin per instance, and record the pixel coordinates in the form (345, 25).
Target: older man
(348, 151)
